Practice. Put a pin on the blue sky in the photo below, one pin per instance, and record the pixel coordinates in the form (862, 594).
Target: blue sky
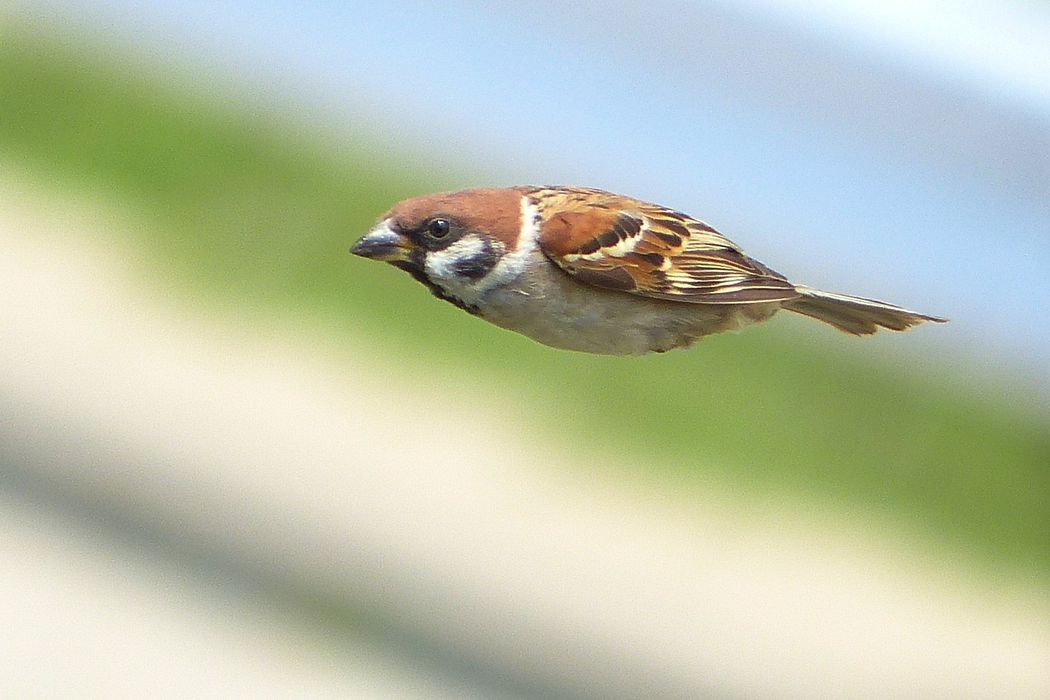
(847, 146)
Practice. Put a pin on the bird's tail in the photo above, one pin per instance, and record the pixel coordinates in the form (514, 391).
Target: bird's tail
(855, 315)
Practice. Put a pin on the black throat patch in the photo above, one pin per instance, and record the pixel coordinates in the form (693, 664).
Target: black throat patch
(414, 267)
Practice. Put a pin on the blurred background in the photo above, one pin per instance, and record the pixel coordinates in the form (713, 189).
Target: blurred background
(236, 462)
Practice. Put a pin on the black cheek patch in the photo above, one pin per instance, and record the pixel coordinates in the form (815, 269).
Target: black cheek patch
(478, 265)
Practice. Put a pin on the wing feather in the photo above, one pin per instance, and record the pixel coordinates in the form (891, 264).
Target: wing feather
(618, 243)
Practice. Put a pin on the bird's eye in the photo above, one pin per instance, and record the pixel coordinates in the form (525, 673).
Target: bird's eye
(438, 228)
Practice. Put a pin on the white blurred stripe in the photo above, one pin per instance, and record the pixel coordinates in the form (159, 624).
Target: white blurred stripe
(86, 618)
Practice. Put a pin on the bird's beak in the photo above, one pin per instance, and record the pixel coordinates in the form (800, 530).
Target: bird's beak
(383, 243)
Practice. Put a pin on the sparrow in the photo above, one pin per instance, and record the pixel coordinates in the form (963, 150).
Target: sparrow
(588, 270)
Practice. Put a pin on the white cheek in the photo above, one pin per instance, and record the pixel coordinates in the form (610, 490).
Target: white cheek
(441, 265)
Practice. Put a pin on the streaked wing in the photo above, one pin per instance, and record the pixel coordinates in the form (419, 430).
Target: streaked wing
(619, 243)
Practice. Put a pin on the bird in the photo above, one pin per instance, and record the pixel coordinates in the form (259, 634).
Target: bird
(591, 271)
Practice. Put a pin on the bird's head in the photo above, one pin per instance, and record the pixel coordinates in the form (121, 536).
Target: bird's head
(459, 244)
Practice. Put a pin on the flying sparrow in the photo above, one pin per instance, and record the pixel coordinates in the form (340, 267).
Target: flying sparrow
(582, 269)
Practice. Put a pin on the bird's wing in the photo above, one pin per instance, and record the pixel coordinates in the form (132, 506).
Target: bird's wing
(622, 244)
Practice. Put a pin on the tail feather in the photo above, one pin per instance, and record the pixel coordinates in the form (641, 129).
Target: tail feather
(855, 315)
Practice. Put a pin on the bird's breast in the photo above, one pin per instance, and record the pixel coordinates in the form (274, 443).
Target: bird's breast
(552, 308)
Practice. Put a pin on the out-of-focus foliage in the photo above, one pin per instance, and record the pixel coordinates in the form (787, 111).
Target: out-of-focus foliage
(257, 211)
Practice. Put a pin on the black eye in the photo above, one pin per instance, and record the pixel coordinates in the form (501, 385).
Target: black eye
(438, 228)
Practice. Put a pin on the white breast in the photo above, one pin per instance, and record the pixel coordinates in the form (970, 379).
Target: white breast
(549, 306)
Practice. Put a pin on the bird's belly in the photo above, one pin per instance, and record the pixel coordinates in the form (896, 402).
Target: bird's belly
(563, 313)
